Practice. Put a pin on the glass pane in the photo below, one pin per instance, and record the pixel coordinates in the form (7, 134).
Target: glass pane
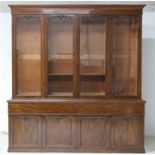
(92, 56)
(60, 55)
(124, 55)
(28, 48)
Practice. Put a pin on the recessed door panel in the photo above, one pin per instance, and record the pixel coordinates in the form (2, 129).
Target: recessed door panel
(95, 131)
(26, 131)
(59, 131)
(127, 131)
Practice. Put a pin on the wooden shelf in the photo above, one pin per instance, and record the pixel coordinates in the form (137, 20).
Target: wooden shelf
(92, 77)
(82, 74)
(81, 94)
(29, 56)
(92, 94)
(92, 74)
(28, 94)
(82, 57)
(60, 77)
(124, 52)
(60, 74)
(61, 94)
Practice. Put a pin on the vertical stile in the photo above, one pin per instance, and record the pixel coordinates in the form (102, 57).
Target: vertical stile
(44, 66)
(109, 53)
(14, 57)
(130, 49)
(139, 57)
(76, 57)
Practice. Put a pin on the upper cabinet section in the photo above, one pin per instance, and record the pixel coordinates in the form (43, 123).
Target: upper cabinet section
(28, 55)
(77, 51)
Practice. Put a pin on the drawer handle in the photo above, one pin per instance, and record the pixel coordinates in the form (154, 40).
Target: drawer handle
(94, 118)
(59, 117)
(26, 118)
(126, 118)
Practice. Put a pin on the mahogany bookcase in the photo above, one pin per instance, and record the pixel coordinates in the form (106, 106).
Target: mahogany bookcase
(76, 78)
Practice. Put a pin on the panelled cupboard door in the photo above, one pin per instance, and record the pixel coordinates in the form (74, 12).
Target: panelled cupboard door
(28, 55)
(93, 55)
(124, 50)
(94, 131)
(60, 55)
(127, 131)
(59, 131)
(25, 131)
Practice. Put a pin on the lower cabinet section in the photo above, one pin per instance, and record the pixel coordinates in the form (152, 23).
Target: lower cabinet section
(76, 133)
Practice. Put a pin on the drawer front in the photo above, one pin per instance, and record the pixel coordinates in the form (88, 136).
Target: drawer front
(25, 131)
(94, 131)
(88, 107)
(127, 131)
(58, 131)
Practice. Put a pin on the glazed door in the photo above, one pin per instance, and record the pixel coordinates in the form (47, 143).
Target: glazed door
(93, 55)
(76, 55)
(27, 55)
(60, 55)
(124, 50)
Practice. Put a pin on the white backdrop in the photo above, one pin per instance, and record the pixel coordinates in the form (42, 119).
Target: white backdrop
(5, 67)
(148, 71)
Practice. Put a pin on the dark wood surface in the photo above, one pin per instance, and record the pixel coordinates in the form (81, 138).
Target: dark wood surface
(53, 119)
(77, 107)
